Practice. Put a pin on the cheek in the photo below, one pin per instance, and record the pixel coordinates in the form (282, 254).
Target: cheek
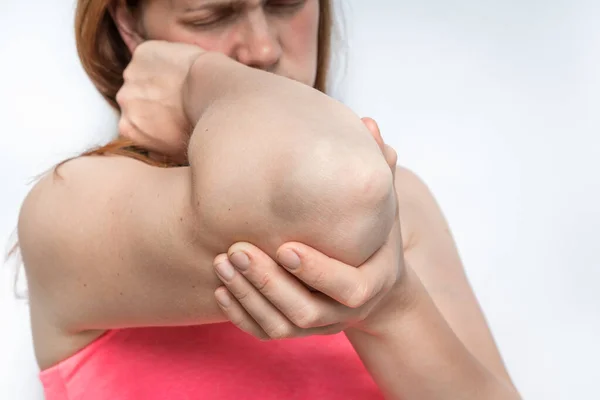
(299, 39)
(160, 24)
(180, 34)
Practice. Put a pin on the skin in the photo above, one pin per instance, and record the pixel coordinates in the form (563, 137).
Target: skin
(392, 327)
(143, 239)
(278, 36)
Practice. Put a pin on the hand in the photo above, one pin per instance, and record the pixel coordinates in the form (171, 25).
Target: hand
(270, 302)
(151, 98)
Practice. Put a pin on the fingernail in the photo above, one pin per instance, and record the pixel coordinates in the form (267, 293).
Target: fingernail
(289, 259)
(225, 270)
(223, 298)
(240, 260)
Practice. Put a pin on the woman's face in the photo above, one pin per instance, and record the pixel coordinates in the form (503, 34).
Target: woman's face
(278, 36)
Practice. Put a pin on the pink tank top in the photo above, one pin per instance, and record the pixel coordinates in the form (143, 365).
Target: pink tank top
(212, 362)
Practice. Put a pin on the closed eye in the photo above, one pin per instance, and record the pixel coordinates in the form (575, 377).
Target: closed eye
(213, 19)
(284, 5)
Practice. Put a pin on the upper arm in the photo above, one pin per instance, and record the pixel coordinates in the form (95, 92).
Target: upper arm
(431, 252)
(105, 245)
(293, 165)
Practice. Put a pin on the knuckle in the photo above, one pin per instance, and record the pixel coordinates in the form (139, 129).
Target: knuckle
(142, 48)
(306, 317)
(241, 295)
(359, 296)
(318, 279)
(124, 128)
(263, 283)
(280, 331)
(127, 72)
(121, 97)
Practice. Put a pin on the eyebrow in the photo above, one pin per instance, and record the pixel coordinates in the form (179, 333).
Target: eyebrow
(213, 3)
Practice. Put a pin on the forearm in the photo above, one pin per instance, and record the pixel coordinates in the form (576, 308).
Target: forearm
(415, 355)
(276, 161)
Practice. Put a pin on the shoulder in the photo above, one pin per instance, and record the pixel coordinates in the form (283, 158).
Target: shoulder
(67, 185)
(57, 194)
(420, 213)
(78, 190)
(84, 176)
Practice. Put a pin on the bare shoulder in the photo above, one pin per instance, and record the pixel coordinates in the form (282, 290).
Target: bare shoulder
(90, 169)
(64, 194)
(75, 208)
(76, 228)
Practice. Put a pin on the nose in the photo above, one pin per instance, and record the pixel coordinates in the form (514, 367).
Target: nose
(258, 43)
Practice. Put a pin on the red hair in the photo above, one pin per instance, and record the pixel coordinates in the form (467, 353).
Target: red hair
(104, 56)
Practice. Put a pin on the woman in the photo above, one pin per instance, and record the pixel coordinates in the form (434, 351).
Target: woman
(133, 268)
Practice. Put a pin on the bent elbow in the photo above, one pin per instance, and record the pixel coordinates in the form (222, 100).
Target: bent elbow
(343, 209)
(371, 211)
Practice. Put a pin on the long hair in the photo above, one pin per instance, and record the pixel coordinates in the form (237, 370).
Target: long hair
(104, 56)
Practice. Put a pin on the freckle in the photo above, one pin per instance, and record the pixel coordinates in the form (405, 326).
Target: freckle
(206, 130)
(118, 274)
(85, 285)
(180, 219)
(121, 293)
(193, 286)
(230, 209)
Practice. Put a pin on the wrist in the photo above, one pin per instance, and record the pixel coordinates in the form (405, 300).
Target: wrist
(206, 81)
(412, 352)
(192, 106)
(397, 309)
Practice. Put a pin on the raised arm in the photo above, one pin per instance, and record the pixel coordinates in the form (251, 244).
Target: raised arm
(276, 161)
(116, 243)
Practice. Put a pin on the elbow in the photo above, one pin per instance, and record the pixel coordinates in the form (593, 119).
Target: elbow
(370, 187)
(369, 213)
(344, 209)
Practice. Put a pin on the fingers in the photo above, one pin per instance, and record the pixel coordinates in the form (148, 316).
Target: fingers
(305, 309)
(351, 286)
(237, 315)
(252, 312)
(266, 300)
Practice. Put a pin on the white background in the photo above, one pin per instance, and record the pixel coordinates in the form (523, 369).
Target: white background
(494, 103)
